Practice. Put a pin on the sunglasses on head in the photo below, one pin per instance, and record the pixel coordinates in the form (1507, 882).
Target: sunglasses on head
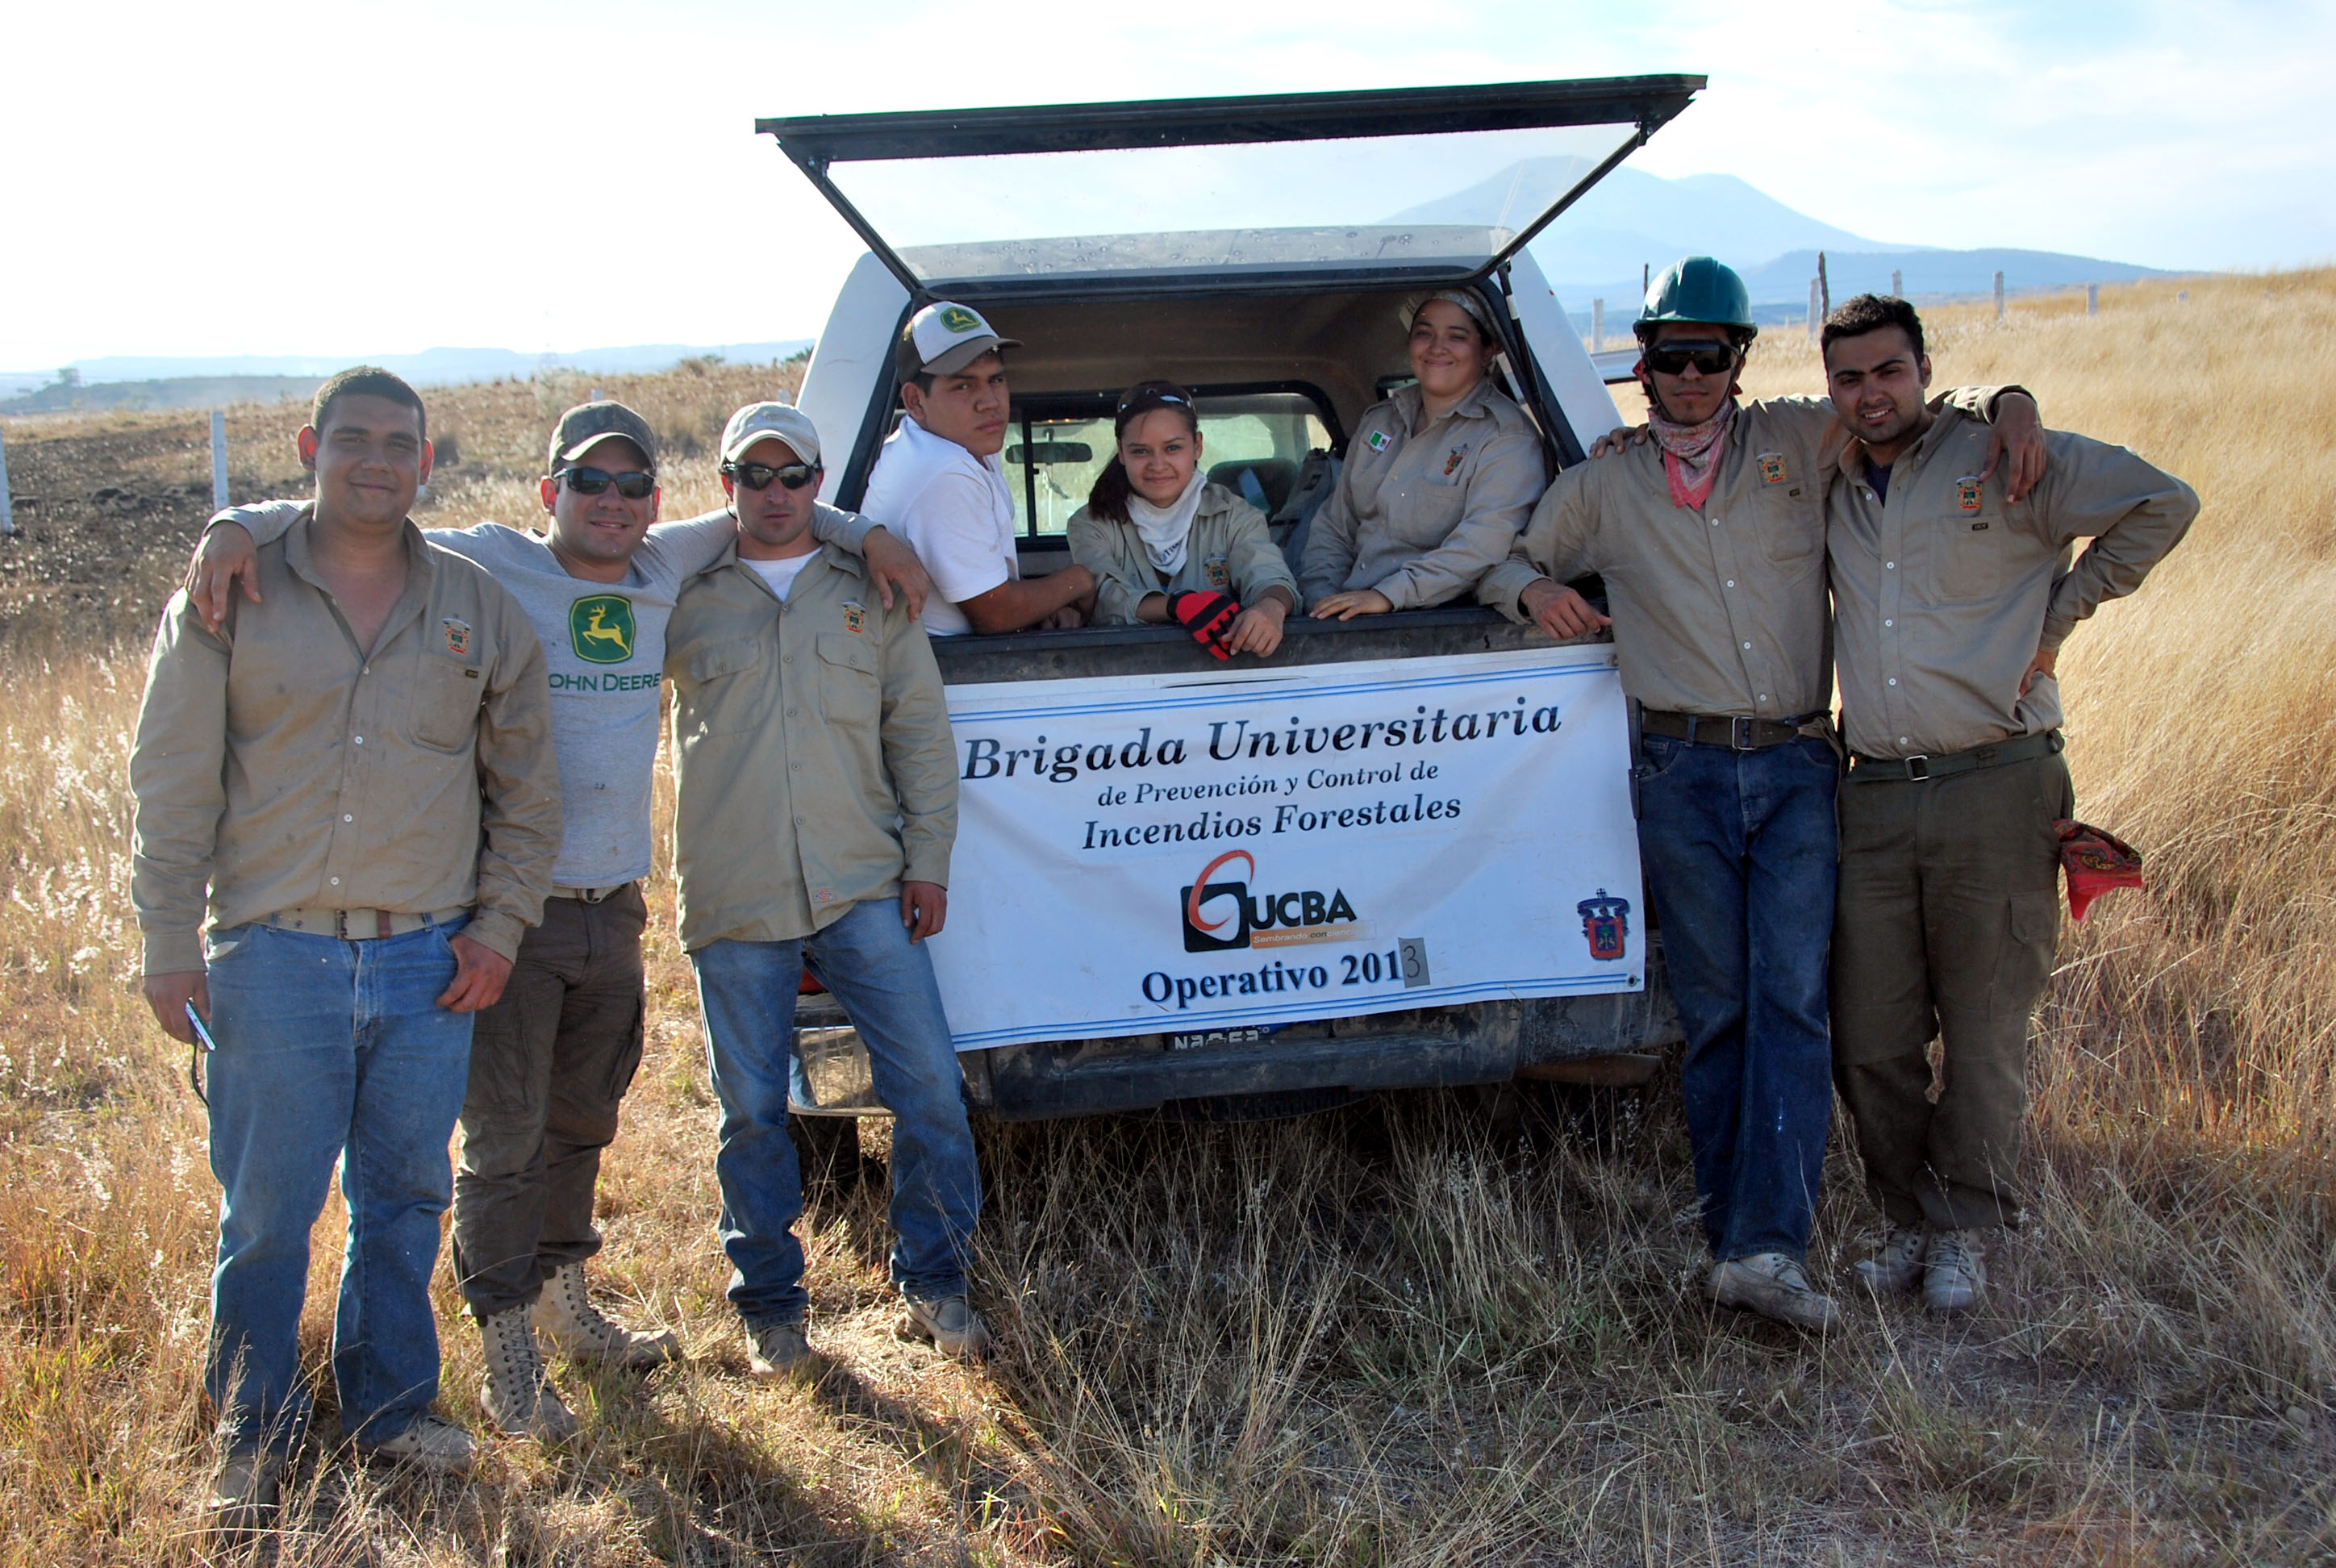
(758, 475)
(1148, 398)
(634, 485)
(1709, 357)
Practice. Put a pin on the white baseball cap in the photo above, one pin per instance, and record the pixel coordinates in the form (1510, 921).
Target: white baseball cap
(758, 421)
(943, 338)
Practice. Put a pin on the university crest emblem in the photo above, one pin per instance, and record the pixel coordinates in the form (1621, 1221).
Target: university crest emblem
(1772, 467)
(601, 628)
(1606, 922)
(855, 617)
(458, 636)
(1967, 492)
(1452, 459)
(1218, 576)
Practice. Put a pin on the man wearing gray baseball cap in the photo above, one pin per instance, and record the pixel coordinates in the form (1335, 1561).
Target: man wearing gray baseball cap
(940, 484)
(815, 807)
(550, 1062)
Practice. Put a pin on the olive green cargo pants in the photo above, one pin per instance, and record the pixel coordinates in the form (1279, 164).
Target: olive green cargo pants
(1945, 926)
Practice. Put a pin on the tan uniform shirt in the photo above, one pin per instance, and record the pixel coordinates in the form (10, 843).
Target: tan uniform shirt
(1230, 549)
(1943, 593)
(812, 751)
(279, 767)
(1422, 517)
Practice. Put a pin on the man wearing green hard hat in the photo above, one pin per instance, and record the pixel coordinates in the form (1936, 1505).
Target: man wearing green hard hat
(1711, 539)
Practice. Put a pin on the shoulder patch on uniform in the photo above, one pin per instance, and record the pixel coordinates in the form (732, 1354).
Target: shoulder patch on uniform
(1967, 492)
(458, 636)
(1772, 467)
(855, 617)
(1378, 439)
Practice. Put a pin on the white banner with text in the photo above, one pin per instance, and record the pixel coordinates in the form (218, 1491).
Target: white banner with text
(1193, 853)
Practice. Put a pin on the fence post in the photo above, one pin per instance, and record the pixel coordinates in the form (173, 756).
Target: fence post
(2092, 299)
(596, 395)
(7, 512)
(1597, 327)
(1816, 316)
(218, 460)
(1999, 296)
(1897, 284)
(1825, 286)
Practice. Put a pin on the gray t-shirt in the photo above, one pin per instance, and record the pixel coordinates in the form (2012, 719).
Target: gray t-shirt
(605, 645)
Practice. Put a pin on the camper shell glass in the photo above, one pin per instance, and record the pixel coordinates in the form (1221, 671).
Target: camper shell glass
(1415, 184)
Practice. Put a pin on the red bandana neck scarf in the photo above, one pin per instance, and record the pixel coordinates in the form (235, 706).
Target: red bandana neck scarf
(1692, 454)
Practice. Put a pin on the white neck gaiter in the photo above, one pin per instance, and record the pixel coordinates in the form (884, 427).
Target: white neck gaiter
(1164, 529)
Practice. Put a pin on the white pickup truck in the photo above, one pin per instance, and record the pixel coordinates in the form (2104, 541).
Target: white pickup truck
(1202, 894)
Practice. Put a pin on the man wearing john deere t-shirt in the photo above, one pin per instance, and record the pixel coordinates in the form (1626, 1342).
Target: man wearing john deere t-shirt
(550, 1062)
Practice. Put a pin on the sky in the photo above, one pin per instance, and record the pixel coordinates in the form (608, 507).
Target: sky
(355, 178)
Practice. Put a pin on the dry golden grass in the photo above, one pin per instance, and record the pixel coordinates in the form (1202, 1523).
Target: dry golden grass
(1428, 1331)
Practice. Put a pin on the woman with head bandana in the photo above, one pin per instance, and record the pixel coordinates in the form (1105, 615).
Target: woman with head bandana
(1438, 478)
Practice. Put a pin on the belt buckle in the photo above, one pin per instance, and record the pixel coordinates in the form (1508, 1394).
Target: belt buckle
(1918, 770)
(1739, 734)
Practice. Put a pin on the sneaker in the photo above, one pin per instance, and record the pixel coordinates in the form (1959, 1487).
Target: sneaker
(1954, 1275)
(431, 1444)
(1776, 1286)
(243, 1498)
(778, 1350)
(565, 1316)
(1896, 1266)
(949, 1323)
(517, 1393)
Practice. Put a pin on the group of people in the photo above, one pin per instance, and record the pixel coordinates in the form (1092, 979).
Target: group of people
(393, 804)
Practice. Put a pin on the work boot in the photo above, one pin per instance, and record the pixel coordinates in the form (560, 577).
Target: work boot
(1776, 1286)
(243, 1499)
(1955, 1274)
(951, 1325)
(432, 1444)
(566, 1317)
(517, 1393)
(1896, 1266)
(777, 1351)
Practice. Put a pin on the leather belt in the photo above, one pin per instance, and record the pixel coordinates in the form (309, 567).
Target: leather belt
(1735, 733)
(590, 895)
(360, 925)
(1916, 769)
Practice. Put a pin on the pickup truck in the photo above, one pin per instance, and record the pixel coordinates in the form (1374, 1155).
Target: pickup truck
(1258, 249)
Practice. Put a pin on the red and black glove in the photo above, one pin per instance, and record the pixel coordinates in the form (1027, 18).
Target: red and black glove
(1207, 615)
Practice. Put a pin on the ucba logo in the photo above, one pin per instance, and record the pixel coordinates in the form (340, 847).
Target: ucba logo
(1219, 915)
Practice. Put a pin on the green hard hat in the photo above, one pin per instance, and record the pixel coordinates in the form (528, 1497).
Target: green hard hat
(1698, 289)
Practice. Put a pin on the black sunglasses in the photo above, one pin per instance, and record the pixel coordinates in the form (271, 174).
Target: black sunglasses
(1673, 358)
(633, 486)
(758, 475)
(1147, 399)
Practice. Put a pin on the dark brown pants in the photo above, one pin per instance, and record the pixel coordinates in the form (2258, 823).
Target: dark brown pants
(1944, 927)
(548, 1064)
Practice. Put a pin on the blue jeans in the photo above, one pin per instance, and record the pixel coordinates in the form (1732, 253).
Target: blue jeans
(1741, 849)
(748, 993)
(329, 1051)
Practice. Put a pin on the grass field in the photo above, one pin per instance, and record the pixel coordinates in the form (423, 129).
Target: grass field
(1428, 1329)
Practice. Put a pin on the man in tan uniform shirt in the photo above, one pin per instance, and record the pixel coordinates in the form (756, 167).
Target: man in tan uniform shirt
(354, 774)
(1715, 569)
(816, 786)
(1950, 601)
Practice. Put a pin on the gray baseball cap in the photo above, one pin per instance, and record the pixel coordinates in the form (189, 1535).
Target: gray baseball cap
(943, 338)
(758, 421)
(586, 426)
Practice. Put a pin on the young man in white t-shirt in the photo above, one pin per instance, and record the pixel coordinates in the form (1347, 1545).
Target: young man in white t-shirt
(938, 484)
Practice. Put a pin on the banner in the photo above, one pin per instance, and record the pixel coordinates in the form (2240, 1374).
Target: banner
(1189, 853)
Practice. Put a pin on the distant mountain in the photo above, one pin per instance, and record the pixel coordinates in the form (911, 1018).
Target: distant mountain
(1632, 220)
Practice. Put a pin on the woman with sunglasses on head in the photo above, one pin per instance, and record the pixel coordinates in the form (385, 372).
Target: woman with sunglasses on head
(1438, 479)
(1166, 545)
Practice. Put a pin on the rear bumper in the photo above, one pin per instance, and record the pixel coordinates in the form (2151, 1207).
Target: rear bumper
(1483, 1043)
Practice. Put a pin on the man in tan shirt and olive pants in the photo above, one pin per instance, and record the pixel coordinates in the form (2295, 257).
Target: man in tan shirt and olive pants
(1951, 602)
(354, 775)
(816, 804)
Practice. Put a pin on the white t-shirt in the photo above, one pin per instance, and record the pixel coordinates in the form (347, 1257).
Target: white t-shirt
(780, 574)
(954, 509)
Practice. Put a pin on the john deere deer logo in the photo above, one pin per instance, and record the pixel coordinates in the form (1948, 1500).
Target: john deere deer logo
(601, 628)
